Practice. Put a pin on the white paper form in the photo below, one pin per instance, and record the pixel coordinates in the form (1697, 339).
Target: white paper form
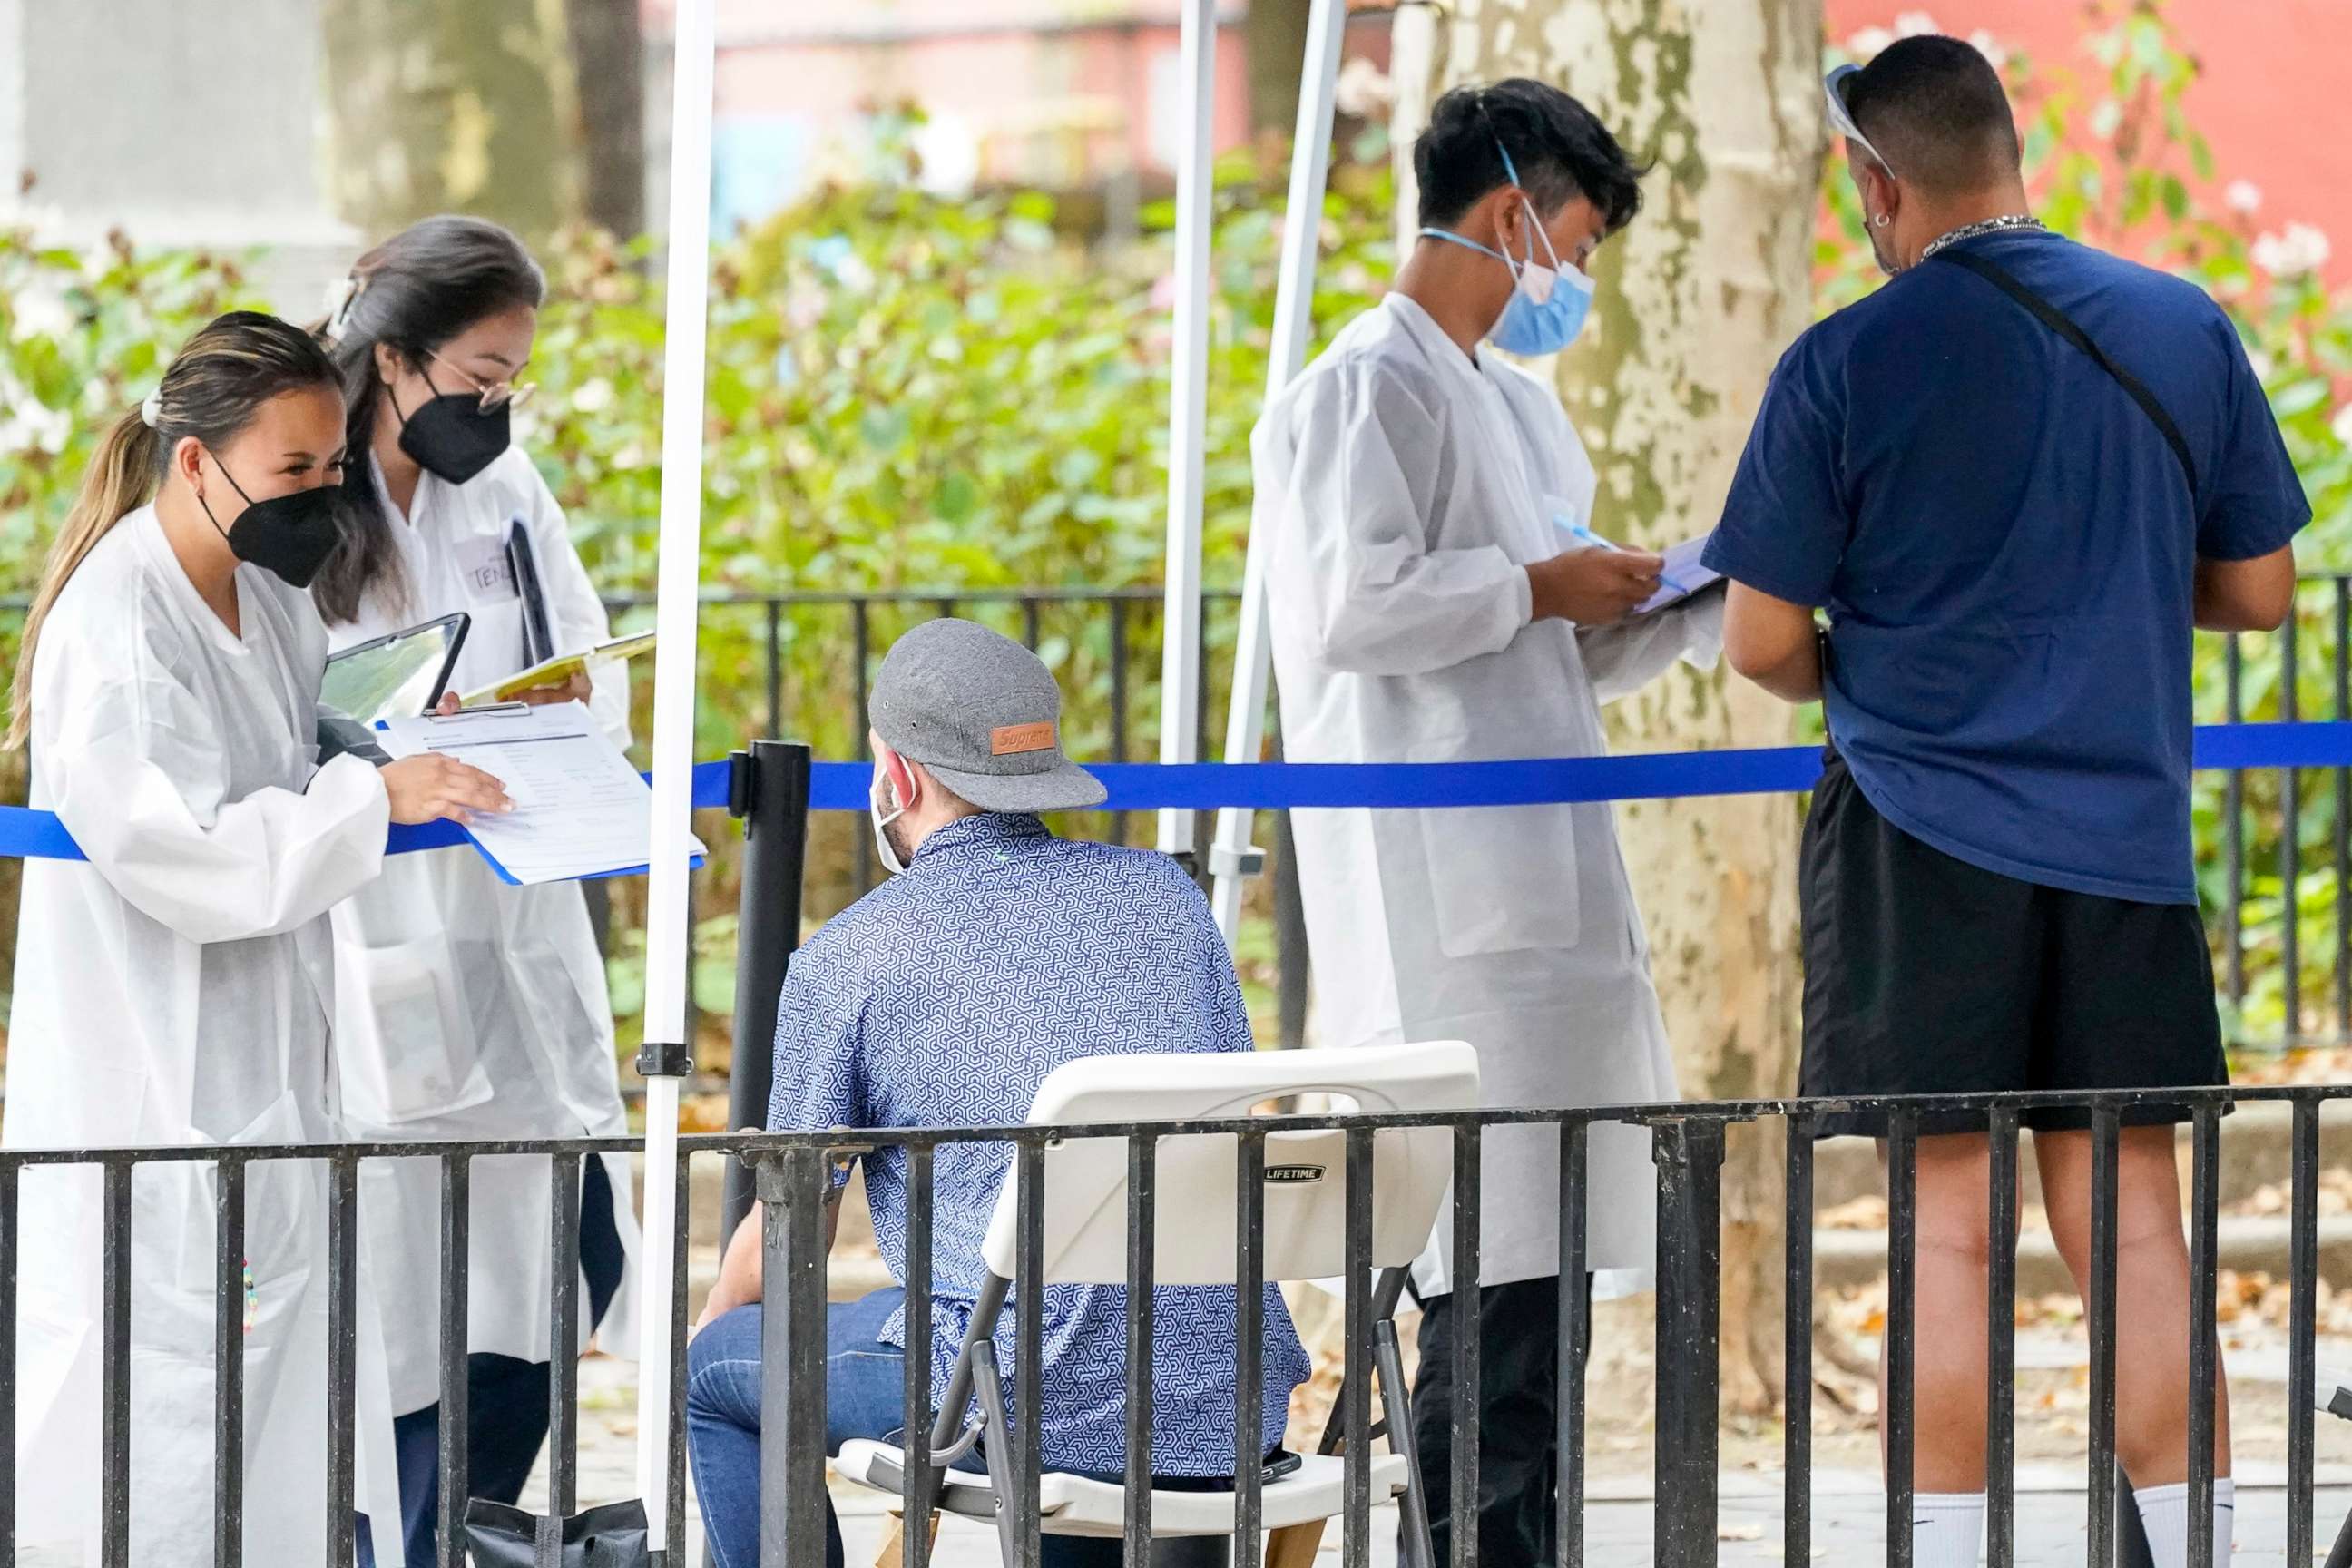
(579, 810)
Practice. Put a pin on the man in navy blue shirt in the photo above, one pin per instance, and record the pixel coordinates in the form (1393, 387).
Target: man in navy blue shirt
(2016, 477)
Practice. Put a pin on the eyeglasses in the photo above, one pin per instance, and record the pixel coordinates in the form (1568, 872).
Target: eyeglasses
(495, 395)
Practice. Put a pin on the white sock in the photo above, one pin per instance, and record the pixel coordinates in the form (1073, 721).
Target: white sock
(1946, 1528)
(2163, 1514)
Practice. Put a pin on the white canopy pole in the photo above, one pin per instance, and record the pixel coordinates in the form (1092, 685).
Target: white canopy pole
(1233, 858)
(676, 592)
(1187, 409)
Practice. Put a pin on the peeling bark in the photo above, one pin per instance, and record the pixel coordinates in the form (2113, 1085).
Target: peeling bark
(1696, 302)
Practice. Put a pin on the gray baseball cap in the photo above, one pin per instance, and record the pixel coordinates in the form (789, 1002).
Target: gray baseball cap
(982, 713)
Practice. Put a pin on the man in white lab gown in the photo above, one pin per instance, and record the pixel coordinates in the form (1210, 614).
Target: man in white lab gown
(1431, 602)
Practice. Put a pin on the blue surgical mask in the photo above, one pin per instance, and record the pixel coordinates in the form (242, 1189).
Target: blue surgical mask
(1542, 317)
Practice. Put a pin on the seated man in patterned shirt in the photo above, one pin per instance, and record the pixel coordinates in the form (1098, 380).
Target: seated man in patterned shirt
(942, 999)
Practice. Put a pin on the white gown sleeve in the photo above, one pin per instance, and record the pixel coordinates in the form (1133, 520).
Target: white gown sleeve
(1352, 561)
(136, 773)
(1621, 659)
(575, 615)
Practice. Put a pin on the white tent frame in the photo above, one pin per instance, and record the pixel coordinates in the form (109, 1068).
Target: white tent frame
(1233, 858)
(677, 582)
(676, 585)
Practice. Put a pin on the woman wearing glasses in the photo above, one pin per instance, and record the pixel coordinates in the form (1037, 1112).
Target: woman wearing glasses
(466, 1008)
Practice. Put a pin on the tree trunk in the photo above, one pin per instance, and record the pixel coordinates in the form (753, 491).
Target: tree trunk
(1275, 36)
(1697, 300)
(608, 63)
(450, 106)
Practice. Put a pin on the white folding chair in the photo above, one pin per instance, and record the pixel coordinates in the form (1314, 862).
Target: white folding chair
(1304, 1236)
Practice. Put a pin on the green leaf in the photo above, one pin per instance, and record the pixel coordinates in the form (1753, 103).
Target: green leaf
(958, 497)
(882, 427)
(2299, 397)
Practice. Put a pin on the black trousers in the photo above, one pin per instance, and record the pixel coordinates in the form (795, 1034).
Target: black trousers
(1518, 1407)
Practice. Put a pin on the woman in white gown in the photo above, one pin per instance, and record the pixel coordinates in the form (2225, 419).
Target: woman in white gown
(469, 1009)
(177, 988)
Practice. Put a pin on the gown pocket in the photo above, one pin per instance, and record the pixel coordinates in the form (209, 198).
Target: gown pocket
(1501, 878)
(405, 1045)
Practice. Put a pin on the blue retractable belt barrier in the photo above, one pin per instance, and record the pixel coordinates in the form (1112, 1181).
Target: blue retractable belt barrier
(27, 834)
(1659, 775)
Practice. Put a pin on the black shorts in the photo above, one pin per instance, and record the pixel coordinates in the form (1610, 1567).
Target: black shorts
(1924, 975)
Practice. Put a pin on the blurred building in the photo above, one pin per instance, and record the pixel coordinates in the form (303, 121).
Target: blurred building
(181, 122)
(1062, 95)
(206, 121)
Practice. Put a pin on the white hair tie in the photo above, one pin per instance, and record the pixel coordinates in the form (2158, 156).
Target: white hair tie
(152, 410)
(340, 298)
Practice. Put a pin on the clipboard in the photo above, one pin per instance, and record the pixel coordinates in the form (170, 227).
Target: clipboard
(583, 812)
(553, 671)
(387, 677)
(522, 560)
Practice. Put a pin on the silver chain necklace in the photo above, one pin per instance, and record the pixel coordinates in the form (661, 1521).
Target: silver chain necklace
(1989, 225)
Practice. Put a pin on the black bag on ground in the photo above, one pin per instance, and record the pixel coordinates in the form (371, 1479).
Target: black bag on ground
(612, 1536)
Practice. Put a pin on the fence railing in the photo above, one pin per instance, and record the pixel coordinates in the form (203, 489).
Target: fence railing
(2302, 671)
(809, 657)
(2281, 842)
(2281, 856)
(1687, 1143)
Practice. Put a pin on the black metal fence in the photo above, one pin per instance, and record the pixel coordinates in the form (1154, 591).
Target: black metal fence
(799, 664)
(2279, 841)
(2284, 851)
(793, 1169)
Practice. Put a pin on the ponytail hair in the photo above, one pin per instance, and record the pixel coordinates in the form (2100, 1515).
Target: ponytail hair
(413, 293)
(212, 389)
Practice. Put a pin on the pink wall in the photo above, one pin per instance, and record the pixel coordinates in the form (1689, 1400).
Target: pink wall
(2271, 98)
(995, 66)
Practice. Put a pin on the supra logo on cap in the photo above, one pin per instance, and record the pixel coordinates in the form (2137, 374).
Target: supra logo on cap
(1009, 740)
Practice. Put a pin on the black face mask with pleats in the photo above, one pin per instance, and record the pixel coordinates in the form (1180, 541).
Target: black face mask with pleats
(291, 535)
(451, 437)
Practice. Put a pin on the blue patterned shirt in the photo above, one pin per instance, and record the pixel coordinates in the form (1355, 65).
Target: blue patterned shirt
(942, 999)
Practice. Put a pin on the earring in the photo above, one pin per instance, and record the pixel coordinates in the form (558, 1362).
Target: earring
(1878, 222)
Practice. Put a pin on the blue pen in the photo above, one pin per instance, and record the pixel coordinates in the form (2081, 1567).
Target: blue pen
(1594, 540)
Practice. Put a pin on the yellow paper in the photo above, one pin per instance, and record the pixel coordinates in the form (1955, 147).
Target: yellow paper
(556, 671)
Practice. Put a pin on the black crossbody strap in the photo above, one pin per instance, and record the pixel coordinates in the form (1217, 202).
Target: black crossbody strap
(2058, 322)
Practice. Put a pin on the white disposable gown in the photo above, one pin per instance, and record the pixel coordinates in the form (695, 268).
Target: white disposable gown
(467, 1008)
(1402, 487)
(176, 989)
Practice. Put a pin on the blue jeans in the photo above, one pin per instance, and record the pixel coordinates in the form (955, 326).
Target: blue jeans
(865, 1390)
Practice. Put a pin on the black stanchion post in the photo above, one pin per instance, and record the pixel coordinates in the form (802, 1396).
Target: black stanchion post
(768, 790)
